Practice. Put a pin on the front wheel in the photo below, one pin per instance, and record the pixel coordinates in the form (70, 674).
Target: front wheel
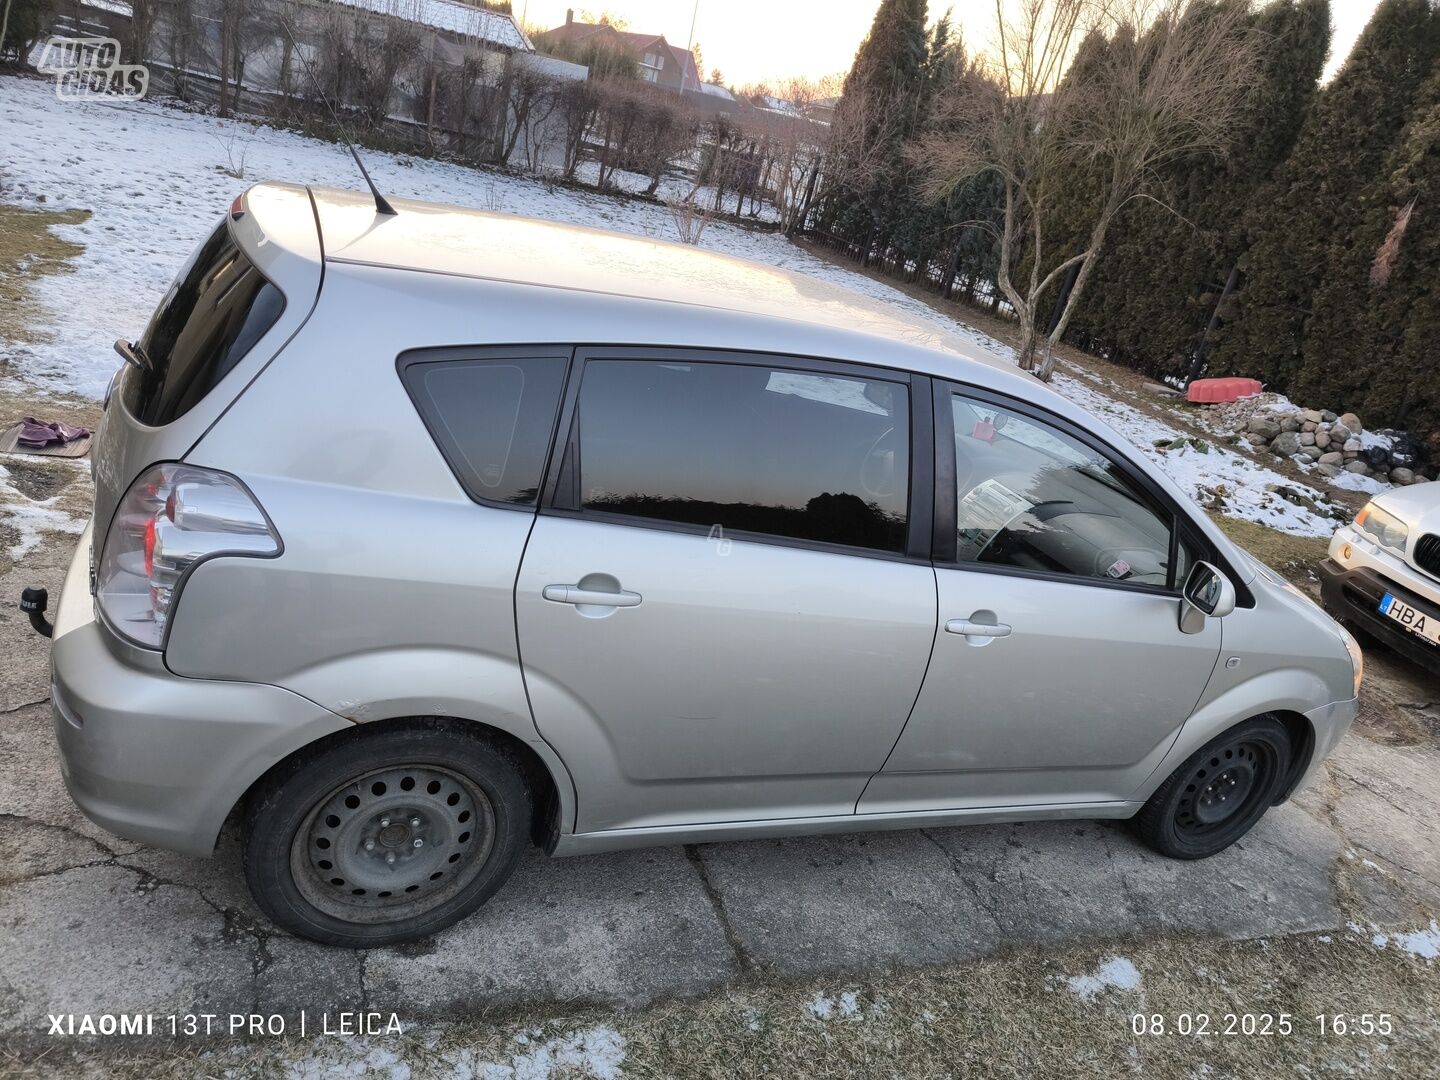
(1219, 793)
(386, 837)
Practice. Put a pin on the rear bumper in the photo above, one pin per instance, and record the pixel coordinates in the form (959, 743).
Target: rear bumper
(149, 755)
(1354, 595)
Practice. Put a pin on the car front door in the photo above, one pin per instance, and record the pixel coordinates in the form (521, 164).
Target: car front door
(1060, 674)
(726, 605)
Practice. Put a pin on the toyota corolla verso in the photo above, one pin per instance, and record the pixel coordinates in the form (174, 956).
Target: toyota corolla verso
(420, 537)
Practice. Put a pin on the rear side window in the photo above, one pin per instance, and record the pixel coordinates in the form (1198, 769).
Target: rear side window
(491, 418)
(215, 311)
(751, 448)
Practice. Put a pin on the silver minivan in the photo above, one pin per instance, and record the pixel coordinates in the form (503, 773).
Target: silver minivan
(420, 537)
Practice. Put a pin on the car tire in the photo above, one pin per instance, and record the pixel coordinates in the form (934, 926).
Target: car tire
(1218, 794)
(386, 836)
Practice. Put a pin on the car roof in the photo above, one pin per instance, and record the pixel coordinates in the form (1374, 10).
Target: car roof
(688, 296)
(506, 247)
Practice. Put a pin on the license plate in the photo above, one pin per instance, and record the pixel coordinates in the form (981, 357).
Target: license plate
(1417, 622)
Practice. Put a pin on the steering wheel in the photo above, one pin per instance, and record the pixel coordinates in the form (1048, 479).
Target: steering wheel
(877, 470)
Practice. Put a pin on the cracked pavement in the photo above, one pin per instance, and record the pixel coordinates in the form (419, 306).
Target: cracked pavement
(95, 924)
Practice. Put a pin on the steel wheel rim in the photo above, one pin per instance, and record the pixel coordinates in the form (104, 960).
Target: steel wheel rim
(355, 856)
(1224, 788)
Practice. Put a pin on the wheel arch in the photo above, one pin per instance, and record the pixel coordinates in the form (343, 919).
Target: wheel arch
(1302, 748)
(549, 780)
(1283, 694)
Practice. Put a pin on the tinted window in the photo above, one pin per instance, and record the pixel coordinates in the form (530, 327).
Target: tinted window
(749, 448)
(215, 311)
(491, 419)
(1030, 496)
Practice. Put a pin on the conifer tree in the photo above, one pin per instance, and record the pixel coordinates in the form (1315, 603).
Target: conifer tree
(880, 108)
(1341, 150)
(1166, 266)
(1370, 344)
(21, 24)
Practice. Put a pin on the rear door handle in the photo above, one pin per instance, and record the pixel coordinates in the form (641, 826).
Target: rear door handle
(966, 628)
(574, 594)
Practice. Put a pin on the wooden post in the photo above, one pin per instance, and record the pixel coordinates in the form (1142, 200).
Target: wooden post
(1197, 359)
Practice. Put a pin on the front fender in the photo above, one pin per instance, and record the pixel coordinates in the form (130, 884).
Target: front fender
(1290, 689)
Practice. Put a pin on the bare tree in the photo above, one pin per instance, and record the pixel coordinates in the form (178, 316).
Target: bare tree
(577, 105)
(180, 36)
(241, 30)
(366, 58)
(1170, 85)
(667, 132)
(529, 102)
(690, 216)
(537, 136)
(799, 144)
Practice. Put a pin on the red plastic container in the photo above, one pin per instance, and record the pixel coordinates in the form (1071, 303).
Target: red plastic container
(1209, 390)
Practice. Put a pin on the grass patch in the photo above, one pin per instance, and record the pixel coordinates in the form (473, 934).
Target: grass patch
(1293, 557)
(1014, 1016)
(28, 251)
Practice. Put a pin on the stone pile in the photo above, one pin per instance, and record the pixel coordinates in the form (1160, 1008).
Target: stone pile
(1332, 443)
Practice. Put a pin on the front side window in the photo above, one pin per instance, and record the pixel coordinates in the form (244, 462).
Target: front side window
(1029, 496)
(750, 448)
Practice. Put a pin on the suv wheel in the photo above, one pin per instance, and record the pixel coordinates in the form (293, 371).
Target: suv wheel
(1219, 793)
(386, 837)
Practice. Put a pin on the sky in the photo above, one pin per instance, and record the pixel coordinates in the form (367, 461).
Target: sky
(754, 40)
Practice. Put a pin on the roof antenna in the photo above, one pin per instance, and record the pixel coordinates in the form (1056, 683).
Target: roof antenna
(381, 205)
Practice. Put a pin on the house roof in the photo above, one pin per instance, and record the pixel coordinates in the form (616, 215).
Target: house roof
(636, 42)
(453, 17)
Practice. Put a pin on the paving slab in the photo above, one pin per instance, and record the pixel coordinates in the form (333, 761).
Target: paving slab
(104, 939)
(809, 905)
(1277, 880)
(622, 928)
(1389, 808)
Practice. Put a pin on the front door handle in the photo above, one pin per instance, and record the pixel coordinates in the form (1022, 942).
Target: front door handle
(574, 594)
(966, 628)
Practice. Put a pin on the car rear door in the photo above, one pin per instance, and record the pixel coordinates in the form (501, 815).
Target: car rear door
(726, 605)
(1060, 673)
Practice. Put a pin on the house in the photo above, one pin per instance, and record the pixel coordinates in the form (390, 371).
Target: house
(658, 61)
(385, 56)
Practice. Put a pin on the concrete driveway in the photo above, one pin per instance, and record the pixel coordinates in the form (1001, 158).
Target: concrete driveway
(92, 924)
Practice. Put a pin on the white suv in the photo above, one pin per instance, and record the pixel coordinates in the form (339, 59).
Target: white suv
(1384, 572)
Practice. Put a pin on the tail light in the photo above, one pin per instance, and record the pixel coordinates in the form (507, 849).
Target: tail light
(173, 517)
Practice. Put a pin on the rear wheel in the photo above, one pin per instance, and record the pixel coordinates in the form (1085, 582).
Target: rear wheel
(1218, 794)
(388, 836)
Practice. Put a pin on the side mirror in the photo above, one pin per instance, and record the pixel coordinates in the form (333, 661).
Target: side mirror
(1207, 594)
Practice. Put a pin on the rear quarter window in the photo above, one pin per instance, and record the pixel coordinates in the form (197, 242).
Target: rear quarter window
(491, 417)
(214, 312)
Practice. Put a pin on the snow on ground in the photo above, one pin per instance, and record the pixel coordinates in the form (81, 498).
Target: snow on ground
(596, 1052)
(673, 188)
(31, 518)
(1116, 973)
(1244, 482)
(155, 180)
(843, 1006)
(1424, 943)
